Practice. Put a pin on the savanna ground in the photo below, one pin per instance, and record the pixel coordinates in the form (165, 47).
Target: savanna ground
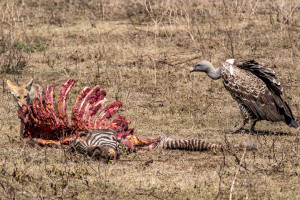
(139, 51)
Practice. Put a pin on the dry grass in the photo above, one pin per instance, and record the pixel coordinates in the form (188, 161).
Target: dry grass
(138, 51)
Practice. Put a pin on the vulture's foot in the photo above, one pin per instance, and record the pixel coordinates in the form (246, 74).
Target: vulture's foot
(252, 130)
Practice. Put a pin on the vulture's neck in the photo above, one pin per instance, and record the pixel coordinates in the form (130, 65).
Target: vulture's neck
(214, 73)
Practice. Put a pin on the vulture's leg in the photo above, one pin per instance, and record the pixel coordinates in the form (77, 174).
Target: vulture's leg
(252, 130)
(237, 128)
(246, 116)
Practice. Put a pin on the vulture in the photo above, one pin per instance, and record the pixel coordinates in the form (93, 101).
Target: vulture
(256, 89)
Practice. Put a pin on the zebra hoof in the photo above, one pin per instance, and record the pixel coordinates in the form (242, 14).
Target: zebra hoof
(249, 145)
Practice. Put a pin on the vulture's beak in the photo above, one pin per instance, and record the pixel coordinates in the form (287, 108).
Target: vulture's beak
(191, 69)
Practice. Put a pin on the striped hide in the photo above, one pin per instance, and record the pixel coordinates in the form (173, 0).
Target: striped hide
(98, 143)
(168, 142)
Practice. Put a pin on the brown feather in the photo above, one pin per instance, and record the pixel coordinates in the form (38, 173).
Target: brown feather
(265, 74)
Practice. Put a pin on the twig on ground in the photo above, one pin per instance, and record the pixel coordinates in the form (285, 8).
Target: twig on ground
(236, 173)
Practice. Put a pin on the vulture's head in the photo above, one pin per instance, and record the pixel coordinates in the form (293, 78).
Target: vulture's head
(202, 66)
(208, 68)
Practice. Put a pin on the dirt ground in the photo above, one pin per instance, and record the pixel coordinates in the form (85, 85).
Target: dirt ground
(139, 52)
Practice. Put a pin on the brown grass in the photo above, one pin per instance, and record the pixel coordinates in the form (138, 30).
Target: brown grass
(139, 51)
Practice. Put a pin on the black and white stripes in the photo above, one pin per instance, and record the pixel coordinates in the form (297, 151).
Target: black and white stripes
(98, 143)
(168, 142)
(103, 144)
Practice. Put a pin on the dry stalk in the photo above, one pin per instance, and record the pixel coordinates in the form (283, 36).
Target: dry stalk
(236, 173)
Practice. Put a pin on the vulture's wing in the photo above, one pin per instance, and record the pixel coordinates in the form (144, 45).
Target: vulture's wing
(267, 75)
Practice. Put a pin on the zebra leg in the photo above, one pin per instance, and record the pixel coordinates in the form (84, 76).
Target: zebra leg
(246, 145)
(112, 153)
(98, 154)
(102, 152)
(93, 151)
(168, 142)
(31, 143)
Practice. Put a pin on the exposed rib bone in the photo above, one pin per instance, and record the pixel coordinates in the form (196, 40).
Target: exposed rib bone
(49, 101)
(62, 106)
(77, 106)
(105, 114)
(95, 108)
(84, 113)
